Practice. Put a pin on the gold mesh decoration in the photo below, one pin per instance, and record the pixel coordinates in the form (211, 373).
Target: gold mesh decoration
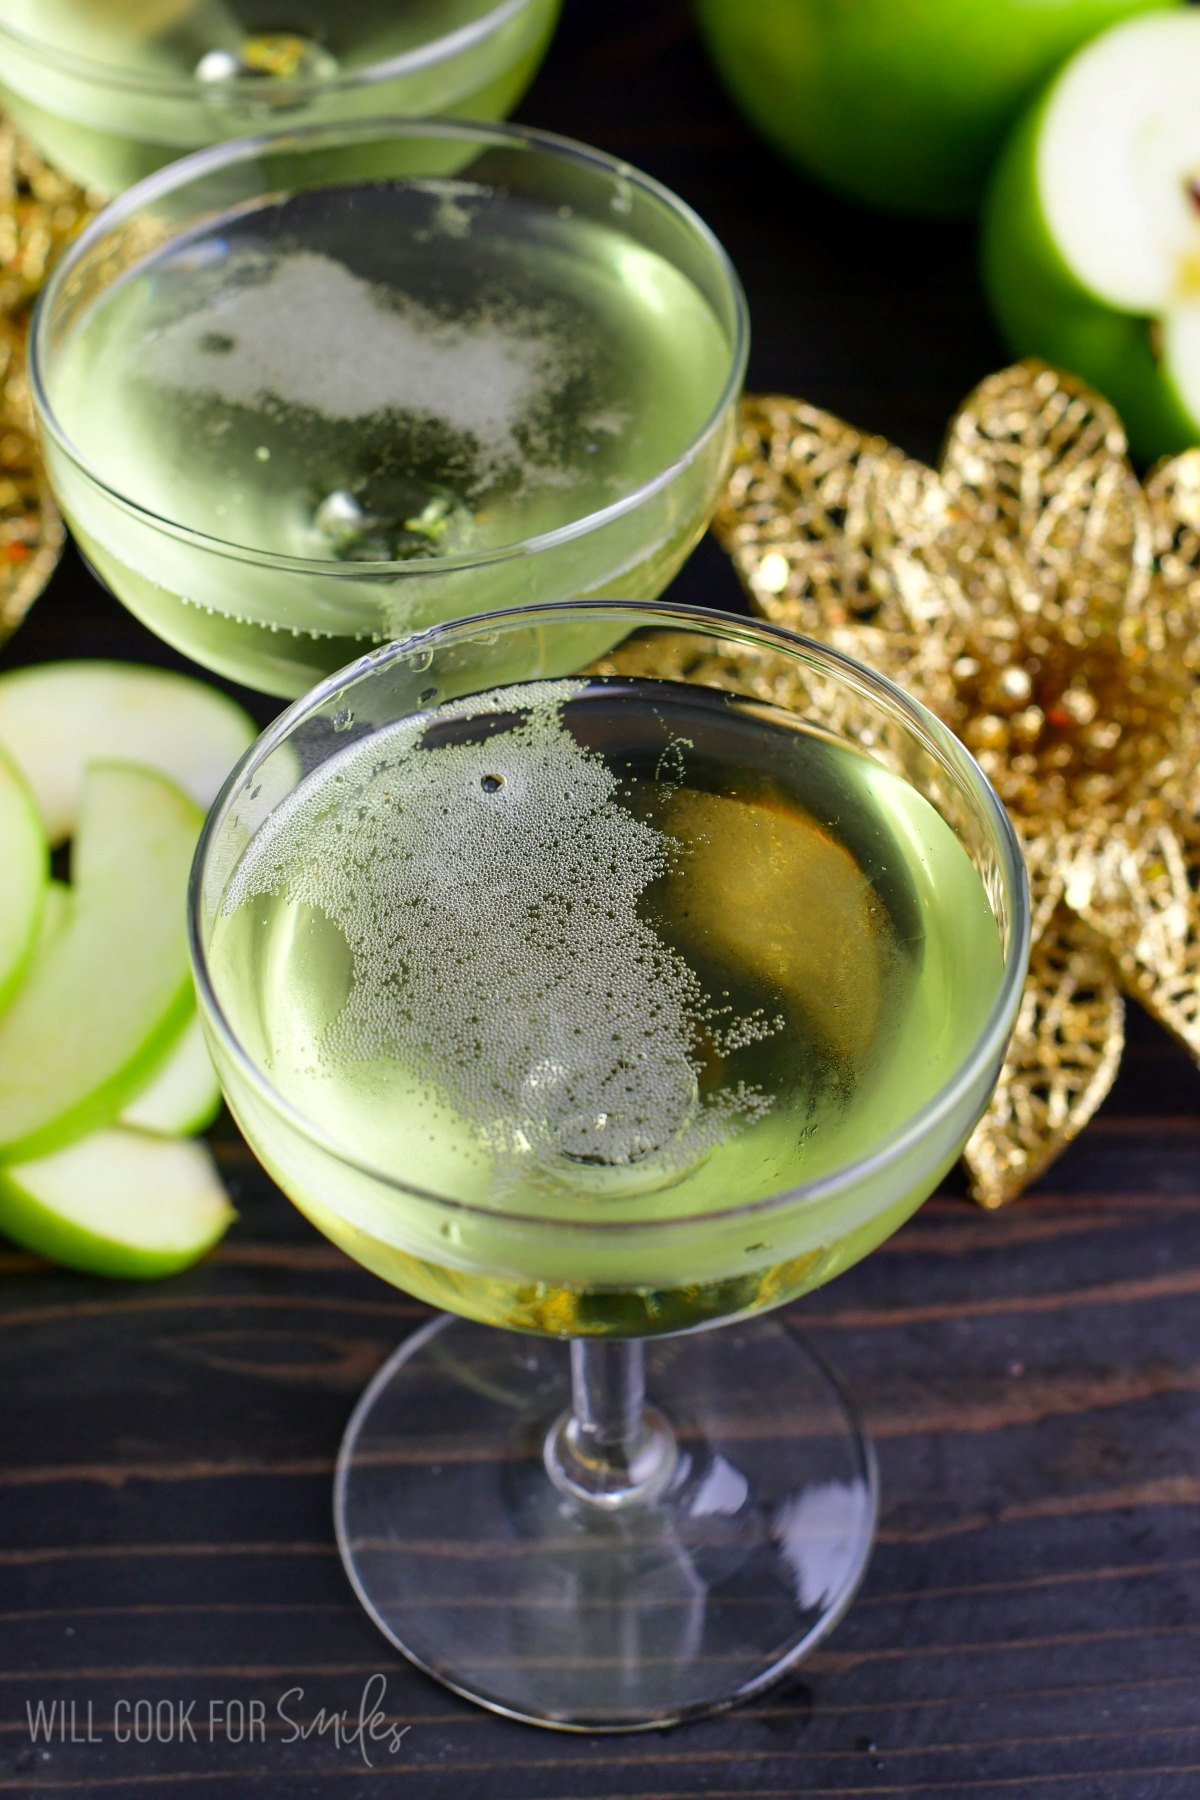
(1047, 607)
(39, 212)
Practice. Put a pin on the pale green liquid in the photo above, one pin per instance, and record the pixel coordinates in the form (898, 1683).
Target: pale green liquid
(169, 39)
(377, 374)
(185, 73)
(602, 953)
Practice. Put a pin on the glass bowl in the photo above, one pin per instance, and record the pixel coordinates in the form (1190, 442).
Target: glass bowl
(567, 335)
(110, 93)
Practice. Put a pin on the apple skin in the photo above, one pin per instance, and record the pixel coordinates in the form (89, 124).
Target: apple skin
(1043, 310)
(900, 104)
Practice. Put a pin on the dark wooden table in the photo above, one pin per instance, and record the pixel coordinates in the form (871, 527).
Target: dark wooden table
(1031, 1622)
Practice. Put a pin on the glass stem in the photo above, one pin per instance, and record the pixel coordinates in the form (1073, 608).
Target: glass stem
(610, 1449)
(608, 1398)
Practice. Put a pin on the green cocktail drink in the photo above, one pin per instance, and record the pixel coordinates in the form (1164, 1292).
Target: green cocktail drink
(607, 996)
(602, 952)
(353, 384)
(110, 90)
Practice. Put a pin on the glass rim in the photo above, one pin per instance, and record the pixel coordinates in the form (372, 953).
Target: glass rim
(249, 87)
(199, 163)
(923, 724)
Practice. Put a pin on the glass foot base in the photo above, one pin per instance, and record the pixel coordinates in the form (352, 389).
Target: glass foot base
(543, 1605)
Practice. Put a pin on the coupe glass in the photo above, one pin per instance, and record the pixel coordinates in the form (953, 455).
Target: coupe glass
(111, 92)
(223, 536)
(666, 1519)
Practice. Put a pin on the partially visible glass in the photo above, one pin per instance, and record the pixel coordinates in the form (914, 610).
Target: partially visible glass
(110, 90)
(607, 999)
(302, 395)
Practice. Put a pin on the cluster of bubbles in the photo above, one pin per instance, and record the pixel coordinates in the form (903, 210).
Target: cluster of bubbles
(487, 878)
(275, 325)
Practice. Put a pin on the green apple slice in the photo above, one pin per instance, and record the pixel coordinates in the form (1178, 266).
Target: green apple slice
(184, 1097)
(111, 992)
(24, 873)
(56, 907)
(117, 1203)
(57, 718)
(1091, 244)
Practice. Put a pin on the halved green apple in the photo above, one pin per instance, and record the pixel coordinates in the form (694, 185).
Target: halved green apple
(117, 1203)
(1091, 242)
(56, 718)
(24, 873)
(110, 992)
(184, 1096)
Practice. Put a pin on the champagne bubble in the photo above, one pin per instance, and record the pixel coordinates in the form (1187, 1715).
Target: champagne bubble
(499, 951)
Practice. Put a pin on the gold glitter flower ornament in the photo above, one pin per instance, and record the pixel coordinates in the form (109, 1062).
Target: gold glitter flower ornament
(1047, 606)
(39, 212)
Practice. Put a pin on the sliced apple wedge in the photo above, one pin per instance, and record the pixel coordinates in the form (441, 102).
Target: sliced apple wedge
(57, 718)
(117, 1203)
(184, 1096)
(1091, 242)
(56, 908)
(111, 991)
(24, 873)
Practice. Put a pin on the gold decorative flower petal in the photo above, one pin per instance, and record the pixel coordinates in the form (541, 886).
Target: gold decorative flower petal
(1145, 905)
(1047, 606)
(1064, 1055)
(31, 532)
(39, 212)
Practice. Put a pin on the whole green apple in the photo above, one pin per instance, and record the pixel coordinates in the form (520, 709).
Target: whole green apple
(1091, 239)
(898, 103)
